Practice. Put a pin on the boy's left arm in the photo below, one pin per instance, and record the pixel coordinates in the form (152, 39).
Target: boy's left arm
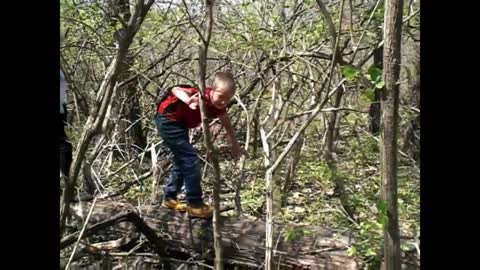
(225, 120)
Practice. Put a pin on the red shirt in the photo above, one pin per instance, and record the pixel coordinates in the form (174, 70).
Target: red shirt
(181, 112)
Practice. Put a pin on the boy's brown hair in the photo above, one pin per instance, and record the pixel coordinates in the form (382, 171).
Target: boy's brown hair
(225, 81)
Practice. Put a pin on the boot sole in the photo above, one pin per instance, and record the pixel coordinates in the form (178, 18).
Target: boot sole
(198, 216)
(174, 209)
(192, 216)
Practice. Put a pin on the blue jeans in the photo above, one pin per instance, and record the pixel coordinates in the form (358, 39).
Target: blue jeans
(185, 163)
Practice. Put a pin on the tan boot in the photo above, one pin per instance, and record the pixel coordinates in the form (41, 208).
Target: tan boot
(174, 205)
(201, 211)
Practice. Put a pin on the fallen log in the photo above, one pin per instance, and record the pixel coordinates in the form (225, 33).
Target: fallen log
(308, 247)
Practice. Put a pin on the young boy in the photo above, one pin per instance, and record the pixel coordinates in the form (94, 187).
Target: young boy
(177, 113)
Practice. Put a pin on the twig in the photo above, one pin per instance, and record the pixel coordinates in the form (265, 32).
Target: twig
(364, 31)
(192, 24)
(130, 184)
(325, 110)
(158, 243)
(110, 245)
(399, 151)
(238, 188)
(323, 250)
(204, 160)
(415, 109)
(81, 234)
(411, 15)
(68, 240)
(132, 160)
(342, 109)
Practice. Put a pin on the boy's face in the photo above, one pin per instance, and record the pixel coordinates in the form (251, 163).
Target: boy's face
(221, 97)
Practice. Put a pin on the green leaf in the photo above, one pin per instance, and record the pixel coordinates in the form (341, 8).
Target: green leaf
(370, 94)
(382, 219)
(382, 206)
(375, 74)
(380, 84)
(349, 72)
(408, 246)
(293, 234)
(371, 252)
(245, 4)
(352, 251)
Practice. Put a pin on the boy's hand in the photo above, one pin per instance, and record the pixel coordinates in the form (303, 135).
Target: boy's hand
(192, 102)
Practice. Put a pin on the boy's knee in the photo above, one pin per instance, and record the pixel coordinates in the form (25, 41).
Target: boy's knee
(190, 166)
(191, 161)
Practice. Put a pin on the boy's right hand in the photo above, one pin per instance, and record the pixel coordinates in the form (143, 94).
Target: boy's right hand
(192, 101)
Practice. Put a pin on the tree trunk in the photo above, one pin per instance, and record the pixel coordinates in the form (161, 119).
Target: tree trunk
(332, 120)
(128, 129)
(255, 134)
(291, 169)
(411, 142)
(96, 119)
(202, 64)
(310, 247)
(332, 123)
(134, 113)
(272, 182)
(389, 124)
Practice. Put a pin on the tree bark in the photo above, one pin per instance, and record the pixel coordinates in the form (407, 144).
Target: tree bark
(389, 124)
(311, 247)
(202, 63)
(96, 119)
